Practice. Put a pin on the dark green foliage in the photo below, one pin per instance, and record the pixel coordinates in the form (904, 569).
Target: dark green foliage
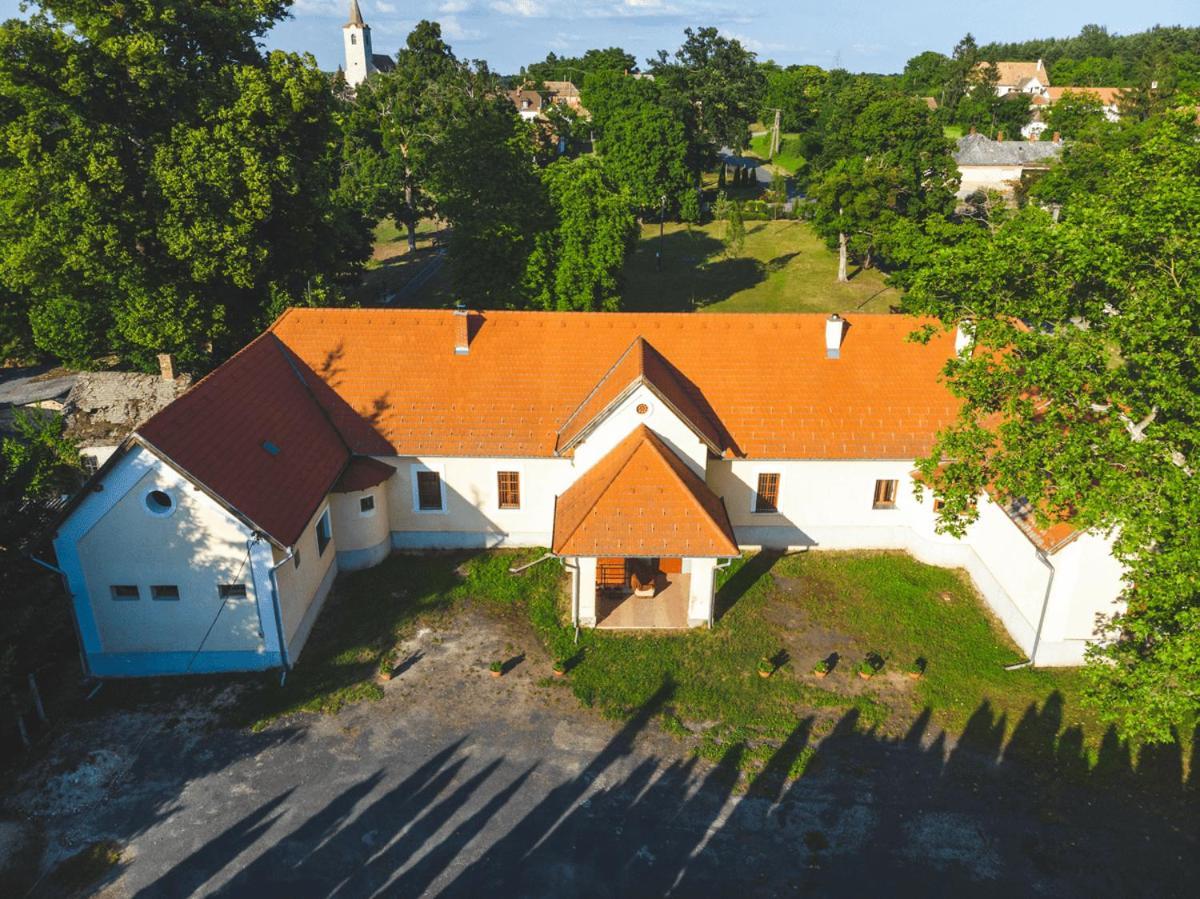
(163, 184)
(577, 69)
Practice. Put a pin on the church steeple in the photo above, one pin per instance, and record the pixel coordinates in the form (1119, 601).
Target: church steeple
(356, 37)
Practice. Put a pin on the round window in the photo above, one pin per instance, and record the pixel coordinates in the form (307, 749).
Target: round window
(642, 408)
(159, 502)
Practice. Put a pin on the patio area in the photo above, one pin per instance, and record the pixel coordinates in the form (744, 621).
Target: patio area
(666, 609)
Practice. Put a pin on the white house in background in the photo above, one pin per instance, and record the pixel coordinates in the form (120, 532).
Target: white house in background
(645, 450)
(360, 61)
(1001, 165)
(1021, 77)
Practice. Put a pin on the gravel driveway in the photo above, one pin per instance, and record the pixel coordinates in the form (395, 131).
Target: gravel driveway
(460, 784)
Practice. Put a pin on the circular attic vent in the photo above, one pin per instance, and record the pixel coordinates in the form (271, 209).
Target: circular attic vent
(159, 502)
(642, 408)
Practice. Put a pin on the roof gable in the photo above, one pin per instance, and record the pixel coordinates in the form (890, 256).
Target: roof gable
(252, 434)
(642, 364)
(641, 499)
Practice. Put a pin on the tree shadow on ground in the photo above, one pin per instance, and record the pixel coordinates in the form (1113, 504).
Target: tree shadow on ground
(984, 811)
(745, 577)
(686, 281)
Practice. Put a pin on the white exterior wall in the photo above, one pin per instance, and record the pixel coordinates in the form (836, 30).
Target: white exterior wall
(303, 588)
(587, 591)
(700, 591)
(363, 538)
(357, 43)
(617, 425)
(987, 177)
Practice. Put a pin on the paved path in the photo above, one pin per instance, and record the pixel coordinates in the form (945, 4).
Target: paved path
(459, 784)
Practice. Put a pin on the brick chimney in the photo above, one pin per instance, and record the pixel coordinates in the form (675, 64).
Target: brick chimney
(166, 366)
(972, 131)
(1057, 138)
(1000, 136)
(462, 330)
(834, 329)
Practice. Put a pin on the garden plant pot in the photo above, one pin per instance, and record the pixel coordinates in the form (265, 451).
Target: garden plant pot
(495, 673)
(865, 675)
(820, 674)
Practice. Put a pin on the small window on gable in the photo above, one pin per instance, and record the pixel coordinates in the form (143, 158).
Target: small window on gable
(429, 491)
(366, 505)
(885, 494)
(164, 592)
(125, 591)
(324, 533)
(231, 591)
(508, 486)
(766, 497)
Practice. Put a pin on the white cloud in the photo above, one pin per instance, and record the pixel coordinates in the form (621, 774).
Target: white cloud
(450, 7)
(453, 29)
(527, 9)
(384, 7)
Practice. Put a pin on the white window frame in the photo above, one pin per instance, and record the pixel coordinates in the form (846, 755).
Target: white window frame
(325, 518)
(438, 469)
(371, 511)
(520, 470)
(766, 469)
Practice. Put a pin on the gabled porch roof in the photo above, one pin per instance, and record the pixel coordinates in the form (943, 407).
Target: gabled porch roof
(642, 500)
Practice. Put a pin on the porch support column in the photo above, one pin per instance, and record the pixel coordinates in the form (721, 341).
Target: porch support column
(700, 596)
(587, 591)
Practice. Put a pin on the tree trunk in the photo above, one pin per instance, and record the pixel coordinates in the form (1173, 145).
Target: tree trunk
(412, 219)
(842, 279)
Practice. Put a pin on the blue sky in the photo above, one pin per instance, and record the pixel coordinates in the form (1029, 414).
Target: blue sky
(861, 35)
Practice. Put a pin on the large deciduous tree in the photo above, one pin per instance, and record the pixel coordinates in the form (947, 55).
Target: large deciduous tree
(577, 262)
(1083, 397)
(163, 184)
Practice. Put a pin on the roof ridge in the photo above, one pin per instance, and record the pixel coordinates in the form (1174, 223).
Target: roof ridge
(634, 444)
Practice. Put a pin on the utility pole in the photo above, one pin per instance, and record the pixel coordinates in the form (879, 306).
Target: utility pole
(775, 136)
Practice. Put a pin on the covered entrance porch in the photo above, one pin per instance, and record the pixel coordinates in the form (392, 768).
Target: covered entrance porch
(639, 593)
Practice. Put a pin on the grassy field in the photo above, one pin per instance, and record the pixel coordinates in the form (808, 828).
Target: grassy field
(704, 684)
(391, 267)
(788, 157)
(784, 267)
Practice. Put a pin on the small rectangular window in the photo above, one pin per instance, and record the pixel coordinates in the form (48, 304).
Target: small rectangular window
(125, 591)
(429, 491)
(165, 592)
(508, 485)
(88, 463)
(766, 499)
(885, 494)
(231, 591)
(366, 505)
(324, 533)
(938, 505)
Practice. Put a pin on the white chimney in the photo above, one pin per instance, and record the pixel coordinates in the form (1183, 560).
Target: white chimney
(834, 328)
(964, 336)
(462, 331)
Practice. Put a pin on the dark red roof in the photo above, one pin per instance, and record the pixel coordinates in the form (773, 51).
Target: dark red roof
(363, 473)
(254, 436)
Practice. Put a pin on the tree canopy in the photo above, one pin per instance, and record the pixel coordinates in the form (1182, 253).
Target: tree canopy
(164, 186)
(1082, 398)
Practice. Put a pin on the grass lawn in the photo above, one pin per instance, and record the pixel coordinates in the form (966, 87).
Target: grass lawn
(703, 685)
(391, 267)
(788, 157)
(784, 268)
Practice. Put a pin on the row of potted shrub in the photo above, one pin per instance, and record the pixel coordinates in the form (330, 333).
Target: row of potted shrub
(871, 665)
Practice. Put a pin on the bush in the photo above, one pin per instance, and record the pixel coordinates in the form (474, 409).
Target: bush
(689, 207)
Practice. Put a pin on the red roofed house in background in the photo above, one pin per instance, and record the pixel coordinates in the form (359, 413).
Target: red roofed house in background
(643, 449)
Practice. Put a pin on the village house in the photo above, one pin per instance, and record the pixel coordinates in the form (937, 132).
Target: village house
(1001, 165)
(645, 450)
(1016, 77)
(527, 102)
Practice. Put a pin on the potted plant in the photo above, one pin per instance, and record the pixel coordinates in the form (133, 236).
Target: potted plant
(560, 666)
(497, 668)
(822, 668)
(868, 667)
(765, 668)
(915, 669)
(385, 668)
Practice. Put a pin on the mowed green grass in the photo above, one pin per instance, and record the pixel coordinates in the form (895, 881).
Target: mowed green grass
(784, 267)
(788, 157)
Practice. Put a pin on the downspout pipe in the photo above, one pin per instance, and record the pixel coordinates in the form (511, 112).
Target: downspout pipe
(274, 585)
(1037, 635)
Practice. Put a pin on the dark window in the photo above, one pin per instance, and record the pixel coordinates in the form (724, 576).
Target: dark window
(366, 504)
(353, 39)
(159, 502)
(88, 463)
(296, 559)
(125, 591)
(508, 484)
(429, 491)
(231, 591)
(885, 494)
(324, 533)
(164, 592)
(938, 505)
(766, 499)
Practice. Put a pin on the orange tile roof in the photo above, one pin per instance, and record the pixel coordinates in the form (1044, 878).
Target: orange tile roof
(1109, 96)
(1018, 72)
(252, 435)
(392, 383)
(1050, 538)
(641, 499)
(641, 364)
